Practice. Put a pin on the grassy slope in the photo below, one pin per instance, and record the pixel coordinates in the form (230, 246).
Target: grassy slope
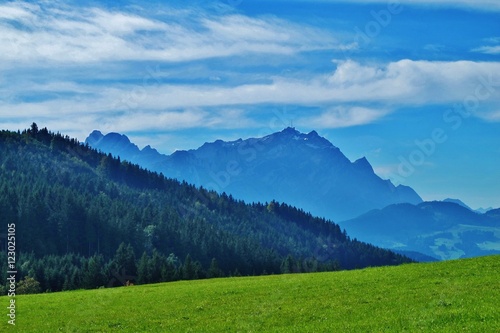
(453, 296)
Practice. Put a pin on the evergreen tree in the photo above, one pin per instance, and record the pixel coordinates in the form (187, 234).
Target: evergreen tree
(142, 270)
(123, 266)
(34, 129)
(214, 270)
(156, 264)
(93, 276)
(170, 271)
(188, 269)
(287, 265)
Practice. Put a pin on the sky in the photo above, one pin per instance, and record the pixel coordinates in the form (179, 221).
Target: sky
(414, 86)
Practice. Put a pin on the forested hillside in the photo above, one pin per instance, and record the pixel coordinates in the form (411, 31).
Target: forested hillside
(85, 219)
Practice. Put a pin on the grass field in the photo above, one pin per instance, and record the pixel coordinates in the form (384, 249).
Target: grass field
(452, 296)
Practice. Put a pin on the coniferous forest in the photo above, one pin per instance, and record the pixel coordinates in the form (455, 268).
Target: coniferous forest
(85, 219)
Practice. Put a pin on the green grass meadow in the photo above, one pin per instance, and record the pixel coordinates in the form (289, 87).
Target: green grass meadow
(452, 296)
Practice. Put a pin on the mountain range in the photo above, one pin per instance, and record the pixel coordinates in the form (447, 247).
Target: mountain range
(461, 203)
(443, 230)
(308, 171)
(304, 170)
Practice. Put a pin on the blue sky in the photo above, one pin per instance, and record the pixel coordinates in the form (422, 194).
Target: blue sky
(412, 85)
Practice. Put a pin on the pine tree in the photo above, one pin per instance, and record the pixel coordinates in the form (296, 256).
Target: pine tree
(170, 271)
(93, 276)
(188, 269)
(287, 265)
(123, 267)
(214, 270)
(156, 263)
(142, 270)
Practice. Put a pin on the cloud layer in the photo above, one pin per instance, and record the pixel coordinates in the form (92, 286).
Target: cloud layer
(58, 34)
(133, 70)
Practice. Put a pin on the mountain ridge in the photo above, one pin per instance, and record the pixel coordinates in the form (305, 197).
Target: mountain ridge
(444, 230)
(282, 166)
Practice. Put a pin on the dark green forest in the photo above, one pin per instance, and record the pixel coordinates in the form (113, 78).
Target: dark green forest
(85, 219)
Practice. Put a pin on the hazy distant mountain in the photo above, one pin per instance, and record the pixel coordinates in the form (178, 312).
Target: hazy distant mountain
(442, 230)
(461, 203)
(458, 202)
(484, 210)
(303, 170)
(120, 145)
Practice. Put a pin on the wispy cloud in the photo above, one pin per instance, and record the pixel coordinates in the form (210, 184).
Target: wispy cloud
(59, 34)
(343, 117)
(386, 171)
(486, 5)
(488, 49)
(493, 46)
(345, 96)
(403, 82)
(177, 120)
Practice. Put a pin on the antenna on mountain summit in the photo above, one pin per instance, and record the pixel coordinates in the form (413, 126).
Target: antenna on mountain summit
(291, 123)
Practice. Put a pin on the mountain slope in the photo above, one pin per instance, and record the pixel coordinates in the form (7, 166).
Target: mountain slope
(443, 230)
(67, 199)
(305, 170)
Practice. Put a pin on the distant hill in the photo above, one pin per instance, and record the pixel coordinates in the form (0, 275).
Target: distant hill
(443, 230)
(304, 170)
(82, 217)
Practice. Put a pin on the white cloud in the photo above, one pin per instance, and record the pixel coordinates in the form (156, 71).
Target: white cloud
(412, 82)
(123, 24)
(350, 72)
(388, 86)
(18, 12)
(403, 82)
(84, 35)
(175, 120)
(387, 171)
(488, 49)
(343, 117)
